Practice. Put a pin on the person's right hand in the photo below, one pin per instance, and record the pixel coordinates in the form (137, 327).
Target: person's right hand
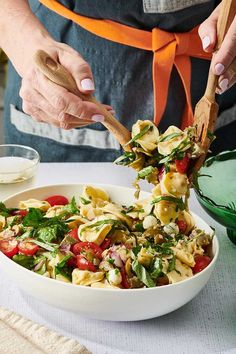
(48, 102)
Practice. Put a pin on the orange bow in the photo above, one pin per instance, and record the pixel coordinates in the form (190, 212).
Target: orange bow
(169, 49)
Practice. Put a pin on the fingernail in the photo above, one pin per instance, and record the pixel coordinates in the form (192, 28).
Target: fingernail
(224, 85)
(87, 84)
(206, 42)
(219, 68)
(97, 118)
(112, 112)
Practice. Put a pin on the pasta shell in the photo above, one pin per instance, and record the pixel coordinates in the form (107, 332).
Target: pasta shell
(85, 277)
(174, 184)
(34, 203)
(95, 194)
(54, 211)
(149, 140)
(182, 272)
(91, 233)
(114, 209)
(166, 211)
(166, 147)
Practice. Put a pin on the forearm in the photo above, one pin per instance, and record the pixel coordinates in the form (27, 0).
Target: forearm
(21, 32)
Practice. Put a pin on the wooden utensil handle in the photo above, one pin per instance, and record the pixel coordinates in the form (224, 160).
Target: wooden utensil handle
(226, 16)
(59, 75)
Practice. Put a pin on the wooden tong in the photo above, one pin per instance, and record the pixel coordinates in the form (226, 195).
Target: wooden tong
(206, 110)
(59, 75)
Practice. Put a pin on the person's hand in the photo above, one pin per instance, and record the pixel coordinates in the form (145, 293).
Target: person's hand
(48, 102)
(223, 61)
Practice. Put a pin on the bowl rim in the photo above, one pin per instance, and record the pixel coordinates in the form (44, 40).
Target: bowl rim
(219, 157)
(178, 284)
(35, 161)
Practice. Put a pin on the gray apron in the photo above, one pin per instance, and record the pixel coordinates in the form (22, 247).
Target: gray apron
(118, 71)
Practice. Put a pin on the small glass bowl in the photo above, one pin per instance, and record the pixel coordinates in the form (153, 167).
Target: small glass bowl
(17, 163)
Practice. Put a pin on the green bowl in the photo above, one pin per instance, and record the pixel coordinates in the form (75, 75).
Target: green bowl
(216, 190)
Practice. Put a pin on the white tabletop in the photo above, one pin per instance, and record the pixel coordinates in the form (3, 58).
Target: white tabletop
(205, 325)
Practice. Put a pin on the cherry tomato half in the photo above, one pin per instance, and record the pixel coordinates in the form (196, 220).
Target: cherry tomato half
(28, 248)
(72, 262)
(21, 212)
(183, 164)
(124, 281)
(106, 243)
(201, 262)
(182, 226)
(77, 248)
(9, 247)
(84, 264)
(74, 233)
(57, 200)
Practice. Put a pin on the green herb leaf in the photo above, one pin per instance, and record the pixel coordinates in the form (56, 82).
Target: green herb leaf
(52, 232)
(175, 200)
(126, 159)
(157, 268)
(4, 211)
(145, 172)
(140, 135)
(171, 265)
(52, 247)
(211, 136)
(85, 201)
(170, 136)
(25, 261)
(34, 218)
(101, 223)
(142, 274)
(72, 207)
(139, 227)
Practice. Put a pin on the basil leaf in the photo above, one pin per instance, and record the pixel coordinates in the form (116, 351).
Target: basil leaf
(33, 218)
(71, 207)
(142, 274)
(64, 271)
(145, 172)
(140, 135)
(62, 263)
(139, 227)
(85, 201)
(4, 211)
(25, 261)
(100, 223)
(52, 247)
(126, 159)
(171, 265)
(157, 268)
(175, 200)
(170, 136)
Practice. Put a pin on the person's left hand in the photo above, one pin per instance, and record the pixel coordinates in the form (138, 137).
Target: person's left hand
(223, 61)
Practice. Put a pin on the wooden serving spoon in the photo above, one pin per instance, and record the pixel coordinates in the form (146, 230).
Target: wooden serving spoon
(60, 76)
(206, 110)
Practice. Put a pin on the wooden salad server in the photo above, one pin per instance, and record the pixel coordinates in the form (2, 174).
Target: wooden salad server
(60, 76)
(206, 110)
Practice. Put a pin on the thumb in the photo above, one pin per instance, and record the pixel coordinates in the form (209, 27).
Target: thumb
(208, 31)
(79, 69)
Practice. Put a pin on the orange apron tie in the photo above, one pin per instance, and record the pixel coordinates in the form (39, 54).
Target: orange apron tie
(169, 49)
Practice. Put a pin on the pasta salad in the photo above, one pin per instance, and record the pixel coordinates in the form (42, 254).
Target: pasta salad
(91, 240)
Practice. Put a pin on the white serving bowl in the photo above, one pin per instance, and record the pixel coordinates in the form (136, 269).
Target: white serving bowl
(104, 304)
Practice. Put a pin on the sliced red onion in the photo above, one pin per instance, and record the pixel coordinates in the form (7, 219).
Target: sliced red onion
(118, 262)
(65, 248)
(39, 265)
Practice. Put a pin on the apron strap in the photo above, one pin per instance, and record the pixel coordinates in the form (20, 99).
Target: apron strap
(168, 49)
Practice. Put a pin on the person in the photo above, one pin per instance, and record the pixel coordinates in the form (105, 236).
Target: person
(96, 42)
